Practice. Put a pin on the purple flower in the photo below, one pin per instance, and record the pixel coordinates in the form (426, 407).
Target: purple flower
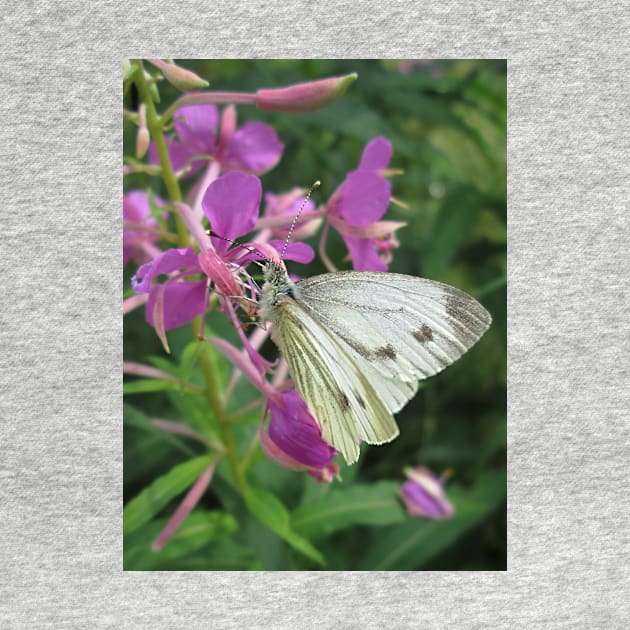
(139, 237)
(423, 494)
(357, 205)
(231, 204)
(295, 440)
(253, 148)
(281, 210)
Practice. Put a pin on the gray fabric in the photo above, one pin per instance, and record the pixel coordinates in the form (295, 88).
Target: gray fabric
(60, 406)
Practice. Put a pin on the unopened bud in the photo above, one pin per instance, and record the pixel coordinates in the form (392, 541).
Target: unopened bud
(181, 78)
(143, 138)
(304, 97)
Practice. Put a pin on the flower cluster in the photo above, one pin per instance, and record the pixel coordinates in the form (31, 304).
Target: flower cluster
(178, 282)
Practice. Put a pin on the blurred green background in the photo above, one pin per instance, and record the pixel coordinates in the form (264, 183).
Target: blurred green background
(447, 123)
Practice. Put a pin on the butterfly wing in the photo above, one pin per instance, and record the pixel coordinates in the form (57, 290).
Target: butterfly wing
(404, 328)
(335, 388)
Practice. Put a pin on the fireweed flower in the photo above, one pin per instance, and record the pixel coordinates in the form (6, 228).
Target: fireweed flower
(139, 239)
(201, 135)
(295, 440)
(232, 205)
(356, 207)
(281, 210)
(423, 494)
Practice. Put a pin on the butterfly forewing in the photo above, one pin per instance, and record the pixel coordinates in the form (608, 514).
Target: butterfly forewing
(405, 328)
(358, 342)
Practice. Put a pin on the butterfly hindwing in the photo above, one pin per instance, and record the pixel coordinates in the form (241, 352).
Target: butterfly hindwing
(339, 395)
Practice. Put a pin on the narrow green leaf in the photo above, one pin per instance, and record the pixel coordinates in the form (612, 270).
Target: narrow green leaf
(199, 528)
(133, 417)
(342, 507)
(224, 553)
(145, 385)
(406, 547)
(189, 359)
(153, 498)
(268, 509)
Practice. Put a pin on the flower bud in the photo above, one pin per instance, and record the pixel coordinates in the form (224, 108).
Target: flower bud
(424, 495)
(143, 139)
(304, 97)
(294, 440)
(216, 269)
(180, 78)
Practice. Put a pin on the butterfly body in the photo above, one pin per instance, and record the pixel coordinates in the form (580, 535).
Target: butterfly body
(358, 342)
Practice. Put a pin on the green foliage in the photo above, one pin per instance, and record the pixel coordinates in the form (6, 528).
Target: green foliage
(447, 123)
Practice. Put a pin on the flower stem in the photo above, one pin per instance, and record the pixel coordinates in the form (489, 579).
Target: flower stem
(217, 406)
(154, 123)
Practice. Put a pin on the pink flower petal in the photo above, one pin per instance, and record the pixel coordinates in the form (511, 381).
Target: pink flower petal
(294, 430)
(254, 148)
(376, 155)
(364, 198)
(364, 255)
(196, 127)
(165, 263)
(231, 204)
(300, 252)
(176, 303)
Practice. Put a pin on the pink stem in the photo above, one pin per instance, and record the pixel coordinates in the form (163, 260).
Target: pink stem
(212, 172)
(185, 507)
(175, 427)
(139, 369)
(194, 225)
(133, 302)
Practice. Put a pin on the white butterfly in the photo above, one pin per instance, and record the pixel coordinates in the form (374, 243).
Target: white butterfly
(358, 342)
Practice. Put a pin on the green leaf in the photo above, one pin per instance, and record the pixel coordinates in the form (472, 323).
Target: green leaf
(133, 417)
(375, 504)
(153, 498)
(189, 359)
(268, 509)
(144, 385)
(453, 226)
(406, 547)
(198, 529)
(224, 553)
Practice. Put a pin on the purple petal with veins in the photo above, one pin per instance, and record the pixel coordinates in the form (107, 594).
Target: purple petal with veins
(166, 262)
(300, 252)
(294, 430)
(254, 147)
(231, 204)
(183, 301)
(196, 126)
(363, 254)
(364, 198)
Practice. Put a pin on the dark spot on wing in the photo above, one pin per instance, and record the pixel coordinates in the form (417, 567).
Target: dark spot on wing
(423, 335)
(359, 348)
(466, 319)
(343, 399)
(385, 352)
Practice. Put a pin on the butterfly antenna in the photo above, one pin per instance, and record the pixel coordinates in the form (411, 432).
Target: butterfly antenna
(315, 185)
(211, 232)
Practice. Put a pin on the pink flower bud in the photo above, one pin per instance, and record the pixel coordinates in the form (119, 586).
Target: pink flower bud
(143, 139)
(181, 78)
(424, 495)
(304, 97)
